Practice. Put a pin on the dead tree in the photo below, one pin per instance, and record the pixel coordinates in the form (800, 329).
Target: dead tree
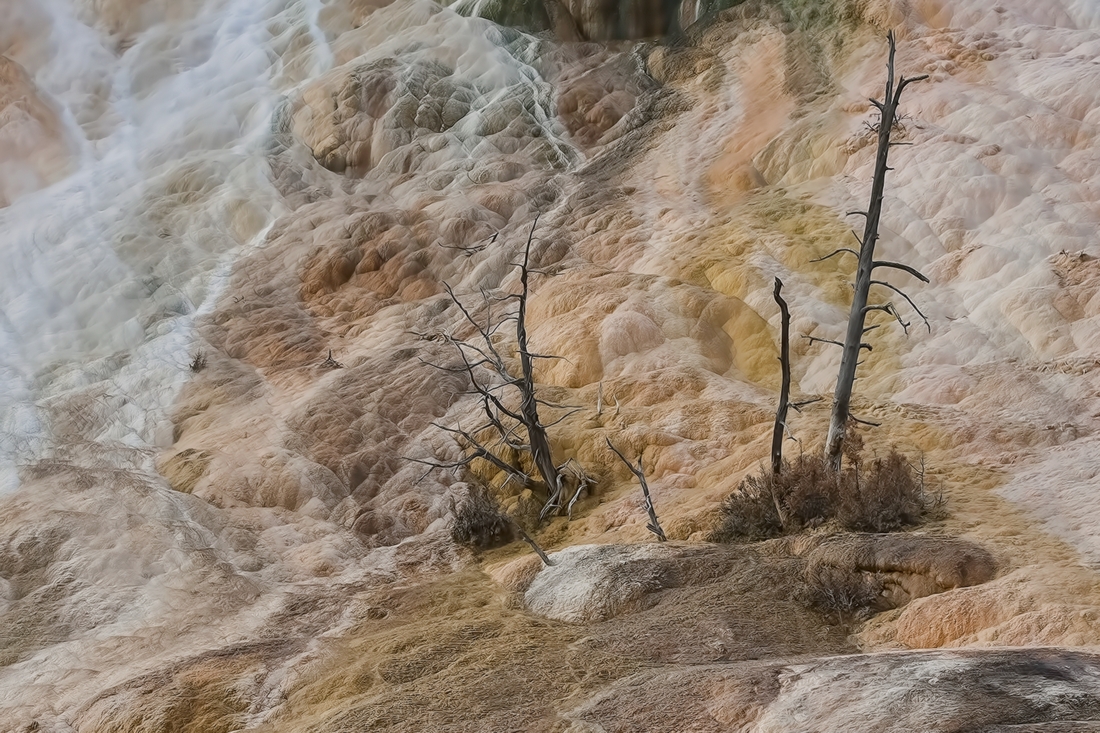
(654, 525)
(538, 441)
(780, 428)
(853, 341)
(508, 399)
(785, 386)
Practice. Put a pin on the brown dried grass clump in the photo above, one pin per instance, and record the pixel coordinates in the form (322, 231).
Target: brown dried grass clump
(885, 496)
(453, 654)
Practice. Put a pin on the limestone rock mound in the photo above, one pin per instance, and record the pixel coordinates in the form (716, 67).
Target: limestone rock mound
(1012, 689)
(597, 582)
(907, 566)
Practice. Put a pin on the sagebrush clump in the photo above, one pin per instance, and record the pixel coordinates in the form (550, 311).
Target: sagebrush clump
(884, 496)
(846, 593)
(480, 522)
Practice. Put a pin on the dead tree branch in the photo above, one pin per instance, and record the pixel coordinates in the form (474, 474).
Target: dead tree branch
(834, 253)
(891, 310)
(654, 525)
(797, 406)
(530, 541)
(815, 339)
(899, 266)
(909, 300)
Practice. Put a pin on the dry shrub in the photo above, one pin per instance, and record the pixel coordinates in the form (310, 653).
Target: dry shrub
(890, 497)
(480, 522)
(749, 514)
(885, 496)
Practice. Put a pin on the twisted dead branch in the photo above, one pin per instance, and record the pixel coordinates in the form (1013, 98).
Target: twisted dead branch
(654, 525)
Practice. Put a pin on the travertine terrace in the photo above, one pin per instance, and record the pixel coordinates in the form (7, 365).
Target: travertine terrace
(227, 229)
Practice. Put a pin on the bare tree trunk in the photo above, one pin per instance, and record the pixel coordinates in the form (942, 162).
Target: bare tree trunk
(853, 340)
(529, 405)
(785, 387)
